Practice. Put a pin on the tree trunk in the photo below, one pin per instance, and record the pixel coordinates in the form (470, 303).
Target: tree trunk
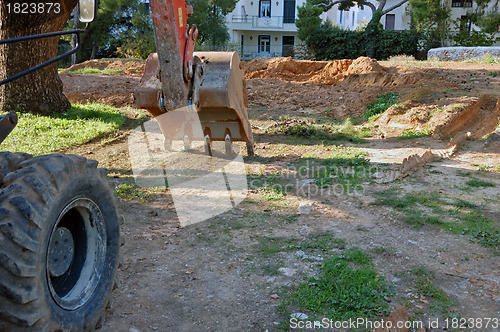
(40, 91)
(372, 33)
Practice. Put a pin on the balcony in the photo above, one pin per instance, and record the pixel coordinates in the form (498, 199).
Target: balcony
(255, 22)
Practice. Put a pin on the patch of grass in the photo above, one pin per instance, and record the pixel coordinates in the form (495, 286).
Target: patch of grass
(463, 173)
(89, 70)
(323, 132)
(383, 251)
(485, 168)
(475, 182)
(345, 166)
(457, 216)
(414, 133)
(129, 191)
(382, 103)
(348, 287)
(40, 134)
(460, 203)
(322, 241)
(315, 242)
(493, 74)
(425, 287)
(269, 186)
(486, 58)
(431, 114)
(392, 198)
(272, 245)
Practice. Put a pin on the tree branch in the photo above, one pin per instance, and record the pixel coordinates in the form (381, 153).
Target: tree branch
(381, 5)
(329, 4)
(368, 4)
(394, 7)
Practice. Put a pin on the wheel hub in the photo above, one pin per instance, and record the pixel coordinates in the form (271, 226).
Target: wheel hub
(61, 252)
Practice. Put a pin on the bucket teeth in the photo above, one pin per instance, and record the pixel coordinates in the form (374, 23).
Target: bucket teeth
(221, 95)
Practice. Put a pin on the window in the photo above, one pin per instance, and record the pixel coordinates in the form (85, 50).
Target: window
(265, 44)
(289, 12)
(390, 21)
(352, 19)
(265, 8)
(288, 44)
(341, 19)
(461, 3)
(242, 44)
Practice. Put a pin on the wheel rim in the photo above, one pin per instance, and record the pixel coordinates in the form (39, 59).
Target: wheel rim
(76, 254)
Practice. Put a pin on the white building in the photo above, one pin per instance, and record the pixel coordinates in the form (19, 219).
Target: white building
(356, 17)
(398, 19)
(264, 28)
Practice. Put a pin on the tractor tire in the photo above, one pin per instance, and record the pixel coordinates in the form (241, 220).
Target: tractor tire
(60, 240)
(9, 162)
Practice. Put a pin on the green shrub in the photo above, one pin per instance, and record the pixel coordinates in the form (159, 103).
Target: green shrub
(379, 106)
(331, 42)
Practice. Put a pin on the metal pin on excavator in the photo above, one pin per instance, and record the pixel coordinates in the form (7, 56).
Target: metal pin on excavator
(209, 83)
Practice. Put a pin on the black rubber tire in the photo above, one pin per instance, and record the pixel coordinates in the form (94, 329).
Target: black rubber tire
(46, 195)
(9, 162)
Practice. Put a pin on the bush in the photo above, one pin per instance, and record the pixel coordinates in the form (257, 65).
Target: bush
(394, 42)
(331, 42)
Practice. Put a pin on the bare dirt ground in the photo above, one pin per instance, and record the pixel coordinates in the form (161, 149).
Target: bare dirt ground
(212, 276)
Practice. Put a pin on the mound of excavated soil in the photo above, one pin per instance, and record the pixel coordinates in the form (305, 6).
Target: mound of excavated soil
(358, 73)
(467, 117)
(109, 89)
(322, 72)
(126, 67)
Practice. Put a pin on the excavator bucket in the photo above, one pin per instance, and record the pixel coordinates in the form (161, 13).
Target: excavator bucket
(221, 102)
(223, 98)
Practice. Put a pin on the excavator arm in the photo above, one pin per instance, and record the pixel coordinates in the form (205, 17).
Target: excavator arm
(208, 83)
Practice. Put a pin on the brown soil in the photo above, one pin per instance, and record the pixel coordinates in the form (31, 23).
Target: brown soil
(209, 277)
(125, 67)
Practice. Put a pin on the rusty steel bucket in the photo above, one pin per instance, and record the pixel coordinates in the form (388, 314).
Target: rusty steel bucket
(221, 101)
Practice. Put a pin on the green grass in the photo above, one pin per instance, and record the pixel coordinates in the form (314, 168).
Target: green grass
(315, 242)
(486, 58)
(269, 186)
(324, 132)
(348, 286)
(132, 192)
(89, 70)
(382, 103)
(456, 216)
(40, 134)
(423, 283)
(345, 166)
(414, 133)
(493, 74)
(475, 182)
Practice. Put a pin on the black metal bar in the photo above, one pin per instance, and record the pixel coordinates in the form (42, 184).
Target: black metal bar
(42, 35)
(46, 63)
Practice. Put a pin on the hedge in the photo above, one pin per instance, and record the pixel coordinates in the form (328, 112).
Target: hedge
(331, 42)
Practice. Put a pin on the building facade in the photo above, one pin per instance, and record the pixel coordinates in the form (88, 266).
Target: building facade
(264, 28)
(398, 19)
